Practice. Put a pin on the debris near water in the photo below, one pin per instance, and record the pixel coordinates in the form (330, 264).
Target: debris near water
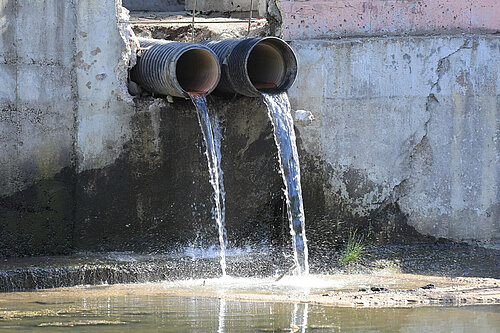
(428, 286)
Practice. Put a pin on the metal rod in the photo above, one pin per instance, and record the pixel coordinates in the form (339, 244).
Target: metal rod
(192, 24)
(250, 17)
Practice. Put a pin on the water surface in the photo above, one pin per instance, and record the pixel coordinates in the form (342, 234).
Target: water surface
(78, 312)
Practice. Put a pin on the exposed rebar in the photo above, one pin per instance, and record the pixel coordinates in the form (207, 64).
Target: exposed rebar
(250, 17)
(192, 24)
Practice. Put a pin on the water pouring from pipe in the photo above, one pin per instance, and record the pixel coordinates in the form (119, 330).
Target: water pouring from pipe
(192, 71)
(212, 136)
(267, 67)
(284, 135)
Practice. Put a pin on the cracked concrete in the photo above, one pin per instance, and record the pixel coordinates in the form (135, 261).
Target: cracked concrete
(405, 121)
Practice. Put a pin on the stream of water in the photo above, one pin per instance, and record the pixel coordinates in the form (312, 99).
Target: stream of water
(212, 134)
(284, 134)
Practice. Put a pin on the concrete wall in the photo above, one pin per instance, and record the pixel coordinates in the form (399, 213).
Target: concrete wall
(60, 93)
(83, 166)
(154, 5)
(406, 124)
(409, 120)
(403, 126)
(64, 108)
(320, 18)
(227, 6)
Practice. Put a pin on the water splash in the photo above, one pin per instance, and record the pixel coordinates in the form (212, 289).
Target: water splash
(212, 134)
(217, 131)
(278, 108)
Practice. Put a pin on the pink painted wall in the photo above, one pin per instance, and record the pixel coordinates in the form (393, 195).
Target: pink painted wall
(304, 19)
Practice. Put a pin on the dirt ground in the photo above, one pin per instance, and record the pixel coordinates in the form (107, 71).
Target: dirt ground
(178, 27)
(369, 290)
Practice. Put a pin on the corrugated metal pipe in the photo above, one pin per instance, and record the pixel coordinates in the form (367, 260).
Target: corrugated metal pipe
(255, 65)
(175, 68)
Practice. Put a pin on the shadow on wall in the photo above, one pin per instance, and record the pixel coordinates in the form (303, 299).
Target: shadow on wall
(154, 5)
(156, 196)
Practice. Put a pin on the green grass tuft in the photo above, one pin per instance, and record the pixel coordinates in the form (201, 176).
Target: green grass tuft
(355, 249)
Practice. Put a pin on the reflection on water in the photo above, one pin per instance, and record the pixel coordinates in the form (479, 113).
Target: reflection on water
(222, 314)
(156, 313)
(299, 317)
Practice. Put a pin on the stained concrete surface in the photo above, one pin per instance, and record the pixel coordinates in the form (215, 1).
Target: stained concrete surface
(303, 19)
(154, 5)
(399, 138)
(412, 122)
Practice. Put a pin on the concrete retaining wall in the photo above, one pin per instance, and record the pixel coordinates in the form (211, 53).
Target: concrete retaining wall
(154, 5)
(326, 19)
(225, 5)
(63, 89)
(64, 108)
(405, 131)
(412, 121)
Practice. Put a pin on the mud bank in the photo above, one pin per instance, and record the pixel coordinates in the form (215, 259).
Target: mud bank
(443, 260)
(386, 290)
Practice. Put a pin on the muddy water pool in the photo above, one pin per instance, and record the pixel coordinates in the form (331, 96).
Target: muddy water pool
(195, 307)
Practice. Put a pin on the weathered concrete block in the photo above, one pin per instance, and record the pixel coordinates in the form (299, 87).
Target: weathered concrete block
(224, 5)
(457, 196)
(7, 30)
(42, 91)
(154, 5)
(412, 121)
(47, 41)
(7, 86)
(102, 61)
(316, 18)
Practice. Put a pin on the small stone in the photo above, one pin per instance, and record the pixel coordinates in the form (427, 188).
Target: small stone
(133, 88)
(378, 288)
(303, 117)
(428, 286)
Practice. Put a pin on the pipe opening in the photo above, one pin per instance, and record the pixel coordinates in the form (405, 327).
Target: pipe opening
(197, 71)
(270, 65)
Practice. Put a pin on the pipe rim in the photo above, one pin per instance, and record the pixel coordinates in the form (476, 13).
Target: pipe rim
(175, 64)
(291, 68)
(156, 69)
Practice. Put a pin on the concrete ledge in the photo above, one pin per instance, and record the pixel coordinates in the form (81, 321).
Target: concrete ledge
(319, 18)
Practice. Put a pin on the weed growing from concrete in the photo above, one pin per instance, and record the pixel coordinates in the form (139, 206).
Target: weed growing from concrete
(355, 249)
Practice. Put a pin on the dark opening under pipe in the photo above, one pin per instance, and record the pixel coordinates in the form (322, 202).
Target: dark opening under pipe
(176, 69)
(255, 65)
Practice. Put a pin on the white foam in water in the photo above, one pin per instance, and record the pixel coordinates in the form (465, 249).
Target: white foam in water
(214, 251)
(212, 141)
(301, 284)
(279, 112)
